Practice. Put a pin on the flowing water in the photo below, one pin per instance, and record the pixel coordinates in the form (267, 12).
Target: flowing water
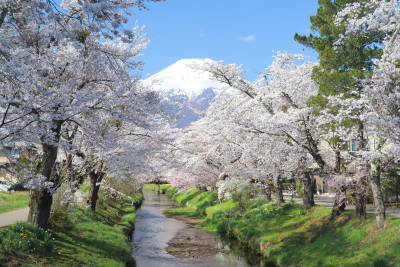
(153, 232)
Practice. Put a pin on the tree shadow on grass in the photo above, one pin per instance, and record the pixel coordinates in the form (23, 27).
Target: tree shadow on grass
(90, 248)
(339, 243)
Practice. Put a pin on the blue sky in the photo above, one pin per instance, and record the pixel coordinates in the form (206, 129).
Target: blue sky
(241, 31)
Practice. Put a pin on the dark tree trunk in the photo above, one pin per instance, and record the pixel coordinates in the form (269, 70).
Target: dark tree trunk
(338, 207)
(268, 191)
(360, 205)
(41, 199)
(337, 157)
(279, 188)
(39, 208)
(95, 178)
(360, 199)
(307, 193)
(3, 15)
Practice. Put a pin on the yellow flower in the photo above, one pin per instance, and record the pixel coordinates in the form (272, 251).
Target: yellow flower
(54, 238)
(59, 253)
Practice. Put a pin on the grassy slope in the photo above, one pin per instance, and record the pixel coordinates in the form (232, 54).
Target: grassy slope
(95, 239)
(154, 187)
(289, 236)
(13, 200)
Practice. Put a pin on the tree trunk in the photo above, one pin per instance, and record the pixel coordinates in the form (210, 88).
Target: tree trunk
(39, 208)
(360, 205)
(337, 160)
(360, 199)
(375, 181)
(268, 191)
(95, 178)
(3, 15)
(338, 207)
(397, 190)
(41, 199)
(307, 193)
(279, 194)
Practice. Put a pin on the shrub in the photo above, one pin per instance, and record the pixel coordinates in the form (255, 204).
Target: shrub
(380, 262)
(26, 237)
(61, 210)
(238, 189)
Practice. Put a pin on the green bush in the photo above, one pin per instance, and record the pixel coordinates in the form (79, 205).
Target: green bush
(381, 262)
(170, 191)
(26, 237)
(61, 210)
(138, 199)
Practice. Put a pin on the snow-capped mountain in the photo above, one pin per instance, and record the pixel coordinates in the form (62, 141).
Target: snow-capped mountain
(195, 87)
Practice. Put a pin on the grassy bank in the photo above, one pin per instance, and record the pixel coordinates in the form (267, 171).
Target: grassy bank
(14, 200)
(79, 237)
(286, 235)
(154, 187)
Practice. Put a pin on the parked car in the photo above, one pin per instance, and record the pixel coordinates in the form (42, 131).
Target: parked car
(18, 187)
(5, 185)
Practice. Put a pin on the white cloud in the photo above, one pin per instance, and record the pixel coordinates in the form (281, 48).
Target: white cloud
(247, 38)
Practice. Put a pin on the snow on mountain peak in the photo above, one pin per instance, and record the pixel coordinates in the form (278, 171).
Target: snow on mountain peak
(183, 80)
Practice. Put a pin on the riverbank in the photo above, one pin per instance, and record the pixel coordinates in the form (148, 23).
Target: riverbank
(79, 237)
(287, 235)
(166, 241)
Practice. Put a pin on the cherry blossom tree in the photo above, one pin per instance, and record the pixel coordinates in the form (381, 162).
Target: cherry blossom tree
(275, 107)
(56, 70)
(379, 93)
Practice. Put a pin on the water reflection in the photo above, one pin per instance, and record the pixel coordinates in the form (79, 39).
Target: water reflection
(153, 231)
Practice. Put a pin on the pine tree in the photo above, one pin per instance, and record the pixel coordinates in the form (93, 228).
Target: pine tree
(340, 66)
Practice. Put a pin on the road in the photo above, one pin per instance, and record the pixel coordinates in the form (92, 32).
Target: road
(13, 216)
(328, 202)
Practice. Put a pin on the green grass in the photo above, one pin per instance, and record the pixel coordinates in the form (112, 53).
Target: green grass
(10, 201)
(150, 187)
(287, 235)
(96, 239)
(182, 199)
(154, 187)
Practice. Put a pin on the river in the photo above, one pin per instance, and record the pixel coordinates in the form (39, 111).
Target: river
(154, 234)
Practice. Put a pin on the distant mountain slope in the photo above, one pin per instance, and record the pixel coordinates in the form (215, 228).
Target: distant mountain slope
(193, 86)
